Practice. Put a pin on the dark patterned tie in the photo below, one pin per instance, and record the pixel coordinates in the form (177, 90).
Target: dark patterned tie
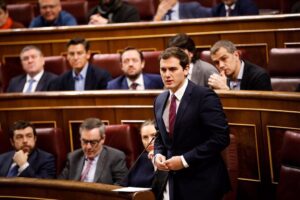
(172, 115)
(134, 85)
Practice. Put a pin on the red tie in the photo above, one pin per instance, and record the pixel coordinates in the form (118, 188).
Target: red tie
(86, 170)
(172, 115)
(134, 85)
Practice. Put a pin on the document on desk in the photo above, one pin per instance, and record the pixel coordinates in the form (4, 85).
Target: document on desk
(131, 189)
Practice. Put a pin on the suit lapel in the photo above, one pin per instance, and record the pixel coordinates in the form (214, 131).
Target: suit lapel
(20, 86)
(41, 83)
(100, 165)
(147, 82)
(89, 78)
(124, 84)
(79, 167)
(6, 165)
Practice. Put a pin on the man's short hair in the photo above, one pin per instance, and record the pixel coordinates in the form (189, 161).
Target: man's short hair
(228, 45)
(3, 5)
(19, 125)
(91, 123)
(183, 41)
(175, 52)
(132, 48)
(29, 47)
(78, 40)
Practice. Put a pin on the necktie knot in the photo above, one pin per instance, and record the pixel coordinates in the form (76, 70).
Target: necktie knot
(134, 85)
(78, 77)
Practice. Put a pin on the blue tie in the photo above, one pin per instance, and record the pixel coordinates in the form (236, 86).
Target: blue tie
(169, 14)
(13, 171)
(31, 81)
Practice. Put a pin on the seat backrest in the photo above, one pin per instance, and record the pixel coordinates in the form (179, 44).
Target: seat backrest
(283, 62)
(110, 62)
(53, 141)
(11, 67)
(288, 186)
(78, 9)
(125, 138)
(230, 157)
(145, 7)
(55, 64)
(21, 12)
(5, 145)
(151, 61)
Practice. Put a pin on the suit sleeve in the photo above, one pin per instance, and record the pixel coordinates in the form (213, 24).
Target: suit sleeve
(119, 169)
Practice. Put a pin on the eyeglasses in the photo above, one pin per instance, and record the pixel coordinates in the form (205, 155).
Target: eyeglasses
(93, 143)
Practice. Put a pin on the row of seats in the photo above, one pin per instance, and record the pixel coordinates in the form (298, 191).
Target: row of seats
(283, 66)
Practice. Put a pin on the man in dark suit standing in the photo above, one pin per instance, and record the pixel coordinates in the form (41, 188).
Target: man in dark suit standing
(36, 78)
(132, 61)
(175, 10)
(26, 160)
(95, 162)
(193, 131)
(235, 8)
(83, 75)
(236, 74)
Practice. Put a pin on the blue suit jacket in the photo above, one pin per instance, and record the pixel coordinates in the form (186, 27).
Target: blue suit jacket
(41, 164)
(200, 134)
(96, 79)
(242, 7)
(17, 83)
(151, 81)
(189, 10)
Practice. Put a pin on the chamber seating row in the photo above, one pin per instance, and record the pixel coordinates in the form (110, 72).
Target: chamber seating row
(283, 66)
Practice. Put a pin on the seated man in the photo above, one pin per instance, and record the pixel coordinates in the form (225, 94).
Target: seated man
(113, 11)
(236, 74)
(26, 160)
(5, 21)
(175, 10)
(133, 62)
(36, 78)
(235, 8)
(52, 15)
(142, 172)
(199, 70)
(94, 162)
(83, 75)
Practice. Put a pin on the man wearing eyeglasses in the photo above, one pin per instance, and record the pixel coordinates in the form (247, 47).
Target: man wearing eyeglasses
(52, 15)
(94, 162)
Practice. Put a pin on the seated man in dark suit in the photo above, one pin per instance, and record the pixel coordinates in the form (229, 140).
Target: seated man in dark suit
(235, 8)
(95, 162)
(35, 79)
(83, 76)
(26, 160)
(113, 11)
(133, 62)
(175, 10)
(236, 74)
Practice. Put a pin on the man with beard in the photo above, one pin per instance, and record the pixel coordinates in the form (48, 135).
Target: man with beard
(26, 160)
(113, 11)
(133, 62)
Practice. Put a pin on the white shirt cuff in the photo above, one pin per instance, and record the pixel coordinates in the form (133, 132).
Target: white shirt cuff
(23, 167)
(185, 164)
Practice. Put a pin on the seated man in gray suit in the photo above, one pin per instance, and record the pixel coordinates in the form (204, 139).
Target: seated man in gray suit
(199, 71)
(36, 78)
(95, 162)
(175, 10)
(133, 62)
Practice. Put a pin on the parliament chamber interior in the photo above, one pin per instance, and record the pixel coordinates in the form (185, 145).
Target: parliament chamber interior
(261, 159)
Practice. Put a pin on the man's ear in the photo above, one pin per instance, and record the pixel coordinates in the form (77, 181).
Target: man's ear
(12, 142)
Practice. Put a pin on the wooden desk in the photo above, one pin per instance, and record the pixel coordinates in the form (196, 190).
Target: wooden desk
(30, 188)
(257, 119)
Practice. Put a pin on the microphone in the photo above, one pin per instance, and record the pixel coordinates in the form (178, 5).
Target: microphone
(133, 166)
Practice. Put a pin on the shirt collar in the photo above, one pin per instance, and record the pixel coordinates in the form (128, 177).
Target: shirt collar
(36, 77)
(180, 92)
(139, 80)
(231, 7)
(240, 75)
(82, 72)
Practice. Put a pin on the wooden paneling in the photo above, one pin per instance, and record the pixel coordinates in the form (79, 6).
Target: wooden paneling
(257, 119)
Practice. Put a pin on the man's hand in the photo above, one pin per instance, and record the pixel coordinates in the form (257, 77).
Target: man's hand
(97, 19)
(174, 163)
(218, 81)
(20, 157)
(160, 162)
(163, 8)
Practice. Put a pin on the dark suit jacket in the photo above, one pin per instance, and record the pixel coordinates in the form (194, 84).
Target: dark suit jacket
(41, 164)
(191, 10)
(242, 7)
(96, 79)
(111, 166)
(151, 81)
(200, 134)
(17, 83)
(125, 13)
(255, 78)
